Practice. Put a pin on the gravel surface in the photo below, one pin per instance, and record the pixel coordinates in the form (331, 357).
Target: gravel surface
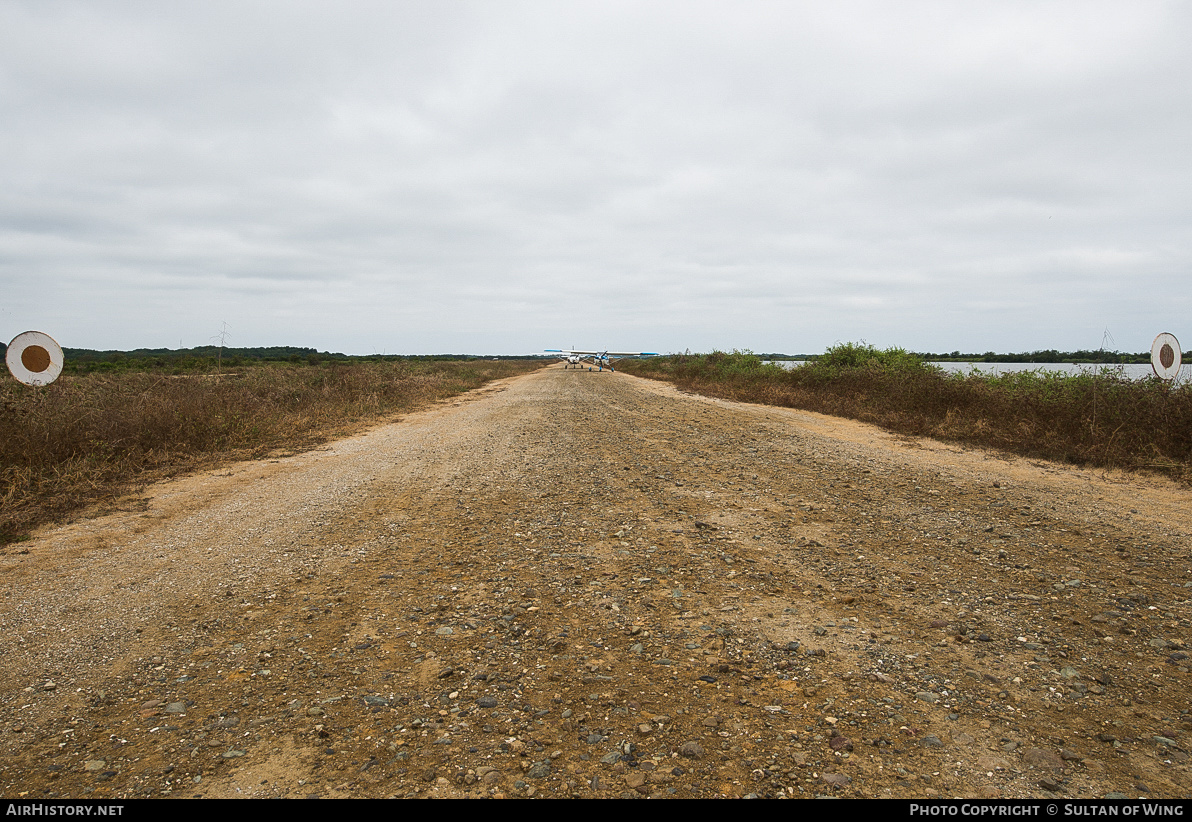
(585, 584)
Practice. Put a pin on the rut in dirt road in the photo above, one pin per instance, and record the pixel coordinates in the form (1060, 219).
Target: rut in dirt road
(585, 584)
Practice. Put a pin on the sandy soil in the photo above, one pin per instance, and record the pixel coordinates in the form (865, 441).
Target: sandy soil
(576, 583)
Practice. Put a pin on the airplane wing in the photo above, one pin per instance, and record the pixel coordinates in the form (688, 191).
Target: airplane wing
(598, 358)
(601, 353)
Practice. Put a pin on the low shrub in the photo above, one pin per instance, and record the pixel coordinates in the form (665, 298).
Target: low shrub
(92, 435)
(1101, 419)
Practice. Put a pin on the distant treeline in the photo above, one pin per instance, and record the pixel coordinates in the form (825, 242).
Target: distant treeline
(1050, 355)
(86, 360)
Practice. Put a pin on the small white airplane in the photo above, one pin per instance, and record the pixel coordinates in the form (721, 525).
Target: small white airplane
(600, 359)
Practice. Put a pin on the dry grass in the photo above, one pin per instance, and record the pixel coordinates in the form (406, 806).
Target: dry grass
(88, 437)
(1098, 420)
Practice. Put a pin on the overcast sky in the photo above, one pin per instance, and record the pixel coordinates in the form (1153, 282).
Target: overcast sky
(500, 177)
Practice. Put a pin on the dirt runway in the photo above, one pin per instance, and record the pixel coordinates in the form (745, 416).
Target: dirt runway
(585, 584)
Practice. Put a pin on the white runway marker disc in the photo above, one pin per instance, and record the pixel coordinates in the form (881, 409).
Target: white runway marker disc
(1165, 356)
(34, 358)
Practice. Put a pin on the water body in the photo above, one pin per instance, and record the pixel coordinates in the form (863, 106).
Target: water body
(1133, 371)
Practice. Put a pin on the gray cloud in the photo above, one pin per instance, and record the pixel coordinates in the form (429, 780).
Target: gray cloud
(506, 177)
